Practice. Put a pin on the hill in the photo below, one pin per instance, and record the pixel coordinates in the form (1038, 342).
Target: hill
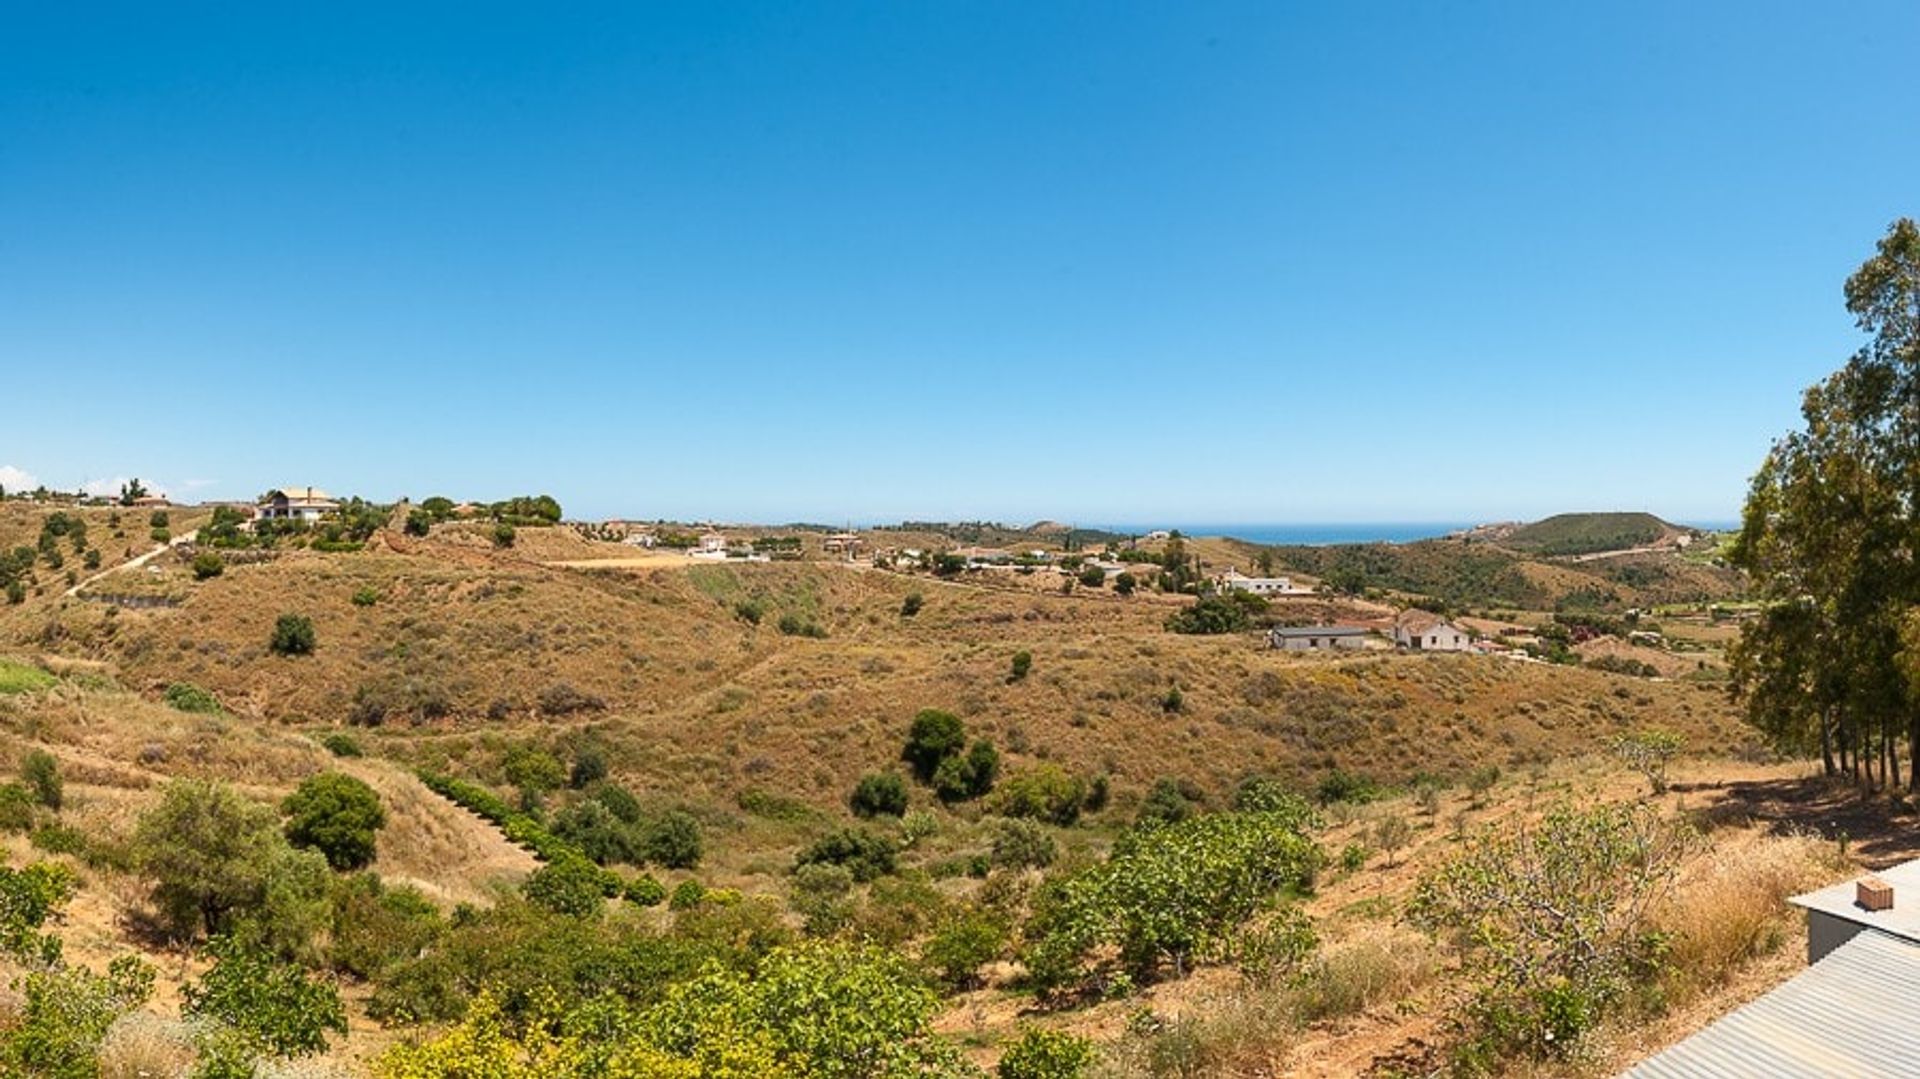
(1589, 533)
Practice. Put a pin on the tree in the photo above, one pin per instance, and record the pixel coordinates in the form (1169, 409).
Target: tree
(503, 534)
(292, 636)
(1022, 663)
(207, 565)
(1391, 834)
(1093, 577)
(878, 794)
(534, 771)
(209, 852)
(1046, 1054)
(131, 491)
(968, 775)
(1828, 539)
(589, 768)
(934, 737)
(1554, 916)
(41, 773)
(337, 815)
(1648, 752)
(571, 886)
(1211, 615)
(673, 840)
(911, 605)
(263, 1007)
(419, 522)
(1125, 583)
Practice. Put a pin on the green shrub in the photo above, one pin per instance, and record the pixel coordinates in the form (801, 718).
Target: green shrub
(375, 926)
(1022, 665)
(1339, 786)
(1022, 844)
(686, 895)
(1043, 792)
(1093, 577)
(337, 815)
(645, 891)
(207, 565)
(65, 1017)
(864, 854)
(1169, 802)
(187, 697)
(503, 535)
(1211, 615)
(618, 800)
(341, 744)
(292, 636)
(1047, 1054)
(911, 605)
(601, 836)
(365, 597)
(40, 772)
(879, 794)
(210, 852)
(823, 897)
(589, 767)
(934, 737)
(673, 840)
(264, 1008)
(962, 777)
(571, 886)
(966, 940)
(16, 808)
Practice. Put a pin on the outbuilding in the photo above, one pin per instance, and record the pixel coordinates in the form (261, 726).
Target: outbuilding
(1310, 638)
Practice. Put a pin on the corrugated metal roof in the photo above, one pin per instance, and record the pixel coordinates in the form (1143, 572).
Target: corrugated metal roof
(1319, 631)
(1851, 1014)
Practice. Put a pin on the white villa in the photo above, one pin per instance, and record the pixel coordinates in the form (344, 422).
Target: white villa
(1235, 581)
(1424, 631)
(296, 504)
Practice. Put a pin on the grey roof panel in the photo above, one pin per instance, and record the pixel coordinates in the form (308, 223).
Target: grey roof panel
(1319, 631)
(1851, 1014)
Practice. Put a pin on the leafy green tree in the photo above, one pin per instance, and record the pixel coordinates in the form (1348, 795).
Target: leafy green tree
(503, 535)
(1125, 583)
(572, 886)
(601, 836)
(131, 491)
(1211, 615)
(1042, 792)
(1047, 1054)
(1022, 664)
(65, 1017)
(968, 775)
(533, 771)
(419, 522)
(879, 794)
(263, 1007)
(292, 636)
(934, 737)
(911, 605)
(965, 940)
(589, 767)
(41, 774)
(1093, 577)
(864, 854)
(337, 815)
(208, 565)
(1022, 844)
(673, 840)
(208, 850)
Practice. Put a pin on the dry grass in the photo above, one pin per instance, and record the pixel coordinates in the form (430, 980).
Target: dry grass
(1729, 907)
(142, 1045)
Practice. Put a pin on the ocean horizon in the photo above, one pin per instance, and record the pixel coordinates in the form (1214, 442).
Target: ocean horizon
(1312, 533)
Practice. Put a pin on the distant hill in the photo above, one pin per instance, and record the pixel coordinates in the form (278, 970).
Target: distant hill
(1589, 533)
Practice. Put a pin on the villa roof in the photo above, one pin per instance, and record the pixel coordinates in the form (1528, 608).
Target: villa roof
(1319, 631)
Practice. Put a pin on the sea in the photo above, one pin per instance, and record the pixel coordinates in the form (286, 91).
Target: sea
(1310, 534)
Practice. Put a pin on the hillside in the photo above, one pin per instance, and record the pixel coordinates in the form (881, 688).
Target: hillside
(1588, 533)
(747, 701)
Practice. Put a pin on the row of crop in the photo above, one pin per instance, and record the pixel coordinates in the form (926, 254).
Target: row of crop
(519, 828)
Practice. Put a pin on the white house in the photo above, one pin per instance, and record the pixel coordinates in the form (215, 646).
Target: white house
(712, 543)
(1310, 638)
(296, 504)
(1235, 581)
(1424, 631)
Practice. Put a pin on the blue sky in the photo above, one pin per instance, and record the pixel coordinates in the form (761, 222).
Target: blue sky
(1093, 262)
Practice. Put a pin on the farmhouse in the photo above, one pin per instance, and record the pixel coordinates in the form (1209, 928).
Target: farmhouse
(296, 504)
(1235, 581)
(1424, 631)
(1849, 1013)
(1309, 638)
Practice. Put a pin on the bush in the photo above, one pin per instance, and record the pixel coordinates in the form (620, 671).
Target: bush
(934, 737)
(502, 535)
(966, 940)
(1648, 752)
(1339, 786)
(1211, 615)
(266, 1007)
(1093, 577)
(375, 926)
(1022, 844)
(877, 794)
(1043, 792)
(1125, 583)
(589, 767)
(749, 611)
(673, 840)
(686, 895)
(16, 808)
(1022, 664)
(337, 815)
(601, 836)
(365, 597)
(561, 699)
(187, 697)
(618, 800)
(210, 852)
(571, 886)
(645, 891)
(65, 1017)
(533, 770)
(341, 744)
(962, 777)
(865, 855)
(912, 604)
(1047, 1054)
(292, 636)
(207, 565)
(1169, 802)
(397, 696)
(793, 625)
(41, 774)
(1558, 912)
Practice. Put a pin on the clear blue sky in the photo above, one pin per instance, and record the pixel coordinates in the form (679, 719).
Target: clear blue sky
(1095, 262)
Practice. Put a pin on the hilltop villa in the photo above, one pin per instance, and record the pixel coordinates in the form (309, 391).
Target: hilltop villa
(1424, 631)
(1235, 581)
(296, 504)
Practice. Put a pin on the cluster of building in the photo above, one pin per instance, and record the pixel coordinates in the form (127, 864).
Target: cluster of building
(1414, 630)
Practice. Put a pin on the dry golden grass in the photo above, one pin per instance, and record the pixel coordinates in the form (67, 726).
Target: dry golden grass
(1729, 907)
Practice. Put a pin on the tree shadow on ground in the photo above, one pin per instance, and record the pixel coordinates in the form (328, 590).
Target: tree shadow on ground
(1878, 830)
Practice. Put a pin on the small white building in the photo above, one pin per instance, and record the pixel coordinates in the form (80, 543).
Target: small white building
(712, 543)
(1235, 581)
(1310, 638)
(1424, 631)
(296, 504)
